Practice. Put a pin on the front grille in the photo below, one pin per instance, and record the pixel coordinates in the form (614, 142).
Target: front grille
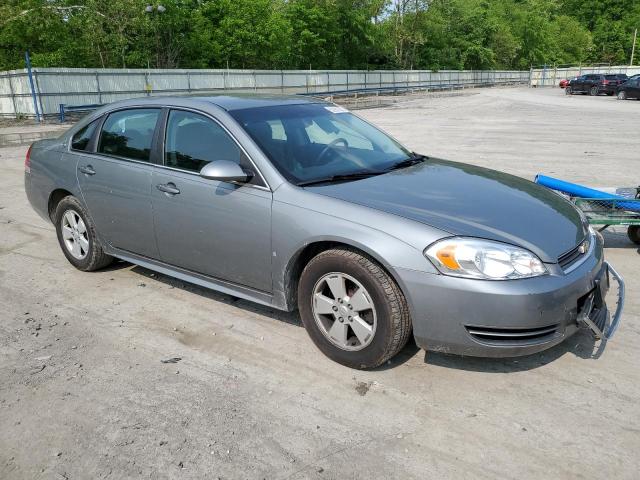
(512, 336)
(572, 256)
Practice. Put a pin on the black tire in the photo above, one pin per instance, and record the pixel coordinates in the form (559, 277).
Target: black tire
(393, 319)
(95, 257)
(634, 234)
(568, 90)
(593, 91)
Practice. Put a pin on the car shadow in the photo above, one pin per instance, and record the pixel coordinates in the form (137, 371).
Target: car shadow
(582, 344)
(618, 239)
(287, 317)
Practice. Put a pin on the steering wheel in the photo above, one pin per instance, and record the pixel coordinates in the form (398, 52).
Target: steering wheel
(333, 144)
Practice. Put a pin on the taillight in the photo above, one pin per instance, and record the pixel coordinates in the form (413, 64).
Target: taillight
(605, 82)
(27, 160)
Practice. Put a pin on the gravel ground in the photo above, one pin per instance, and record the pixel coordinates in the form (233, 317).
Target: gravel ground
(84, 392)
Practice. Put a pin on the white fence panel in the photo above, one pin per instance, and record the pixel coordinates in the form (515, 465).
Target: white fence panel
(80, 87)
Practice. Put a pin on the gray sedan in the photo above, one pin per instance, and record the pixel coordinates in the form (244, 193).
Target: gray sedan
(294, 202)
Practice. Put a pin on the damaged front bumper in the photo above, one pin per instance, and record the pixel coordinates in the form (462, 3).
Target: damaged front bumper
(594, 313)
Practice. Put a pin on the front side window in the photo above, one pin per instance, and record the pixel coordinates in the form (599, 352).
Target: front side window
(129, 133)
(81, 139)
(308, 142)
(193, 140)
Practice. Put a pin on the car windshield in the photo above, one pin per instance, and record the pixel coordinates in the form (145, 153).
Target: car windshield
(312, 142)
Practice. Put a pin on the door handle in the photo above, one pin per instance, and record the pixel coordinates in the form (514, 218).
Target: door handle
(87, 170)
(168, 188)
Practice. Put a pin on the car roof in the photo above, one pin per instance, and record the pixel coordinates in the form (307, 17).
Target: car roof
(243, 101)
(229, 102)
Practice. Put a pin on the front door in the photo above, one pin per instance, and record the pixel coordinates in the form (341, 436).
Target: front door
(215, 228)
(115, 180)
(634, 91)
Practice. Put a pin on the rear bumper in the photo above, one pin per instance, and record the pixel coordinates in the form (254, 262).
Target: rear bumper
(502, 318)
(36, 195)
(608, 89)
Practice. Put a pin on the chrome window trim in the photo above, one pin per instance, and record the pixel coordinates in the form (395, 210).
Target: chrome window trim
(266, 186)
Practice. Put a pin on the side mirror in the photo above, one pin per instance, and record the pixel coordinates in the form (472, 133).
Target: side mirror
(225, 171)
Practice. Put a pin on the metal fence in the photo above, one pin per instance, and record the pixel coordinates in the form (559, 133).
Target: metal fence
(55, 86)
(551, 76)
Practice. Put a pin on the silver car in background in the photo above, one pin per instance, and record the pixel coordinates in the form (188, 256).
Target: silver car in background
(294, 202)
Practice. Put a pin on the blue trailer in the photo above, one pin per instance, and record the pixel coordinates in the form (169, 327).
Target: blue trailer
(601, 208)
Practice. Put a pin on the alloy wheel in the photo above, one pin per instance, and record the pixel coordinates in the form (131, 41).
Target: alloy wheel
(74, 234)
(344, 311)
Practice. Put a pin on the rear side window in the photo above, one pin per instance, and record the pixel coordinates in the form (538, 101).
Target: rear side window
(81, 139)
(129, 133)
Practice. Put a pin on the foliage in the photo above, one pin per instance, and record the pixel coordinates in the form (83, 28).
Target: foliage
(302, 34)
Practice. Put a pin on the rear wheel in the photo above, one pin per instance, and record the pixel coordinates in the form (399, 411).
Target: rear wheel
(594, 91)
(634, 234)
(622, 95)
(77, 236)
(352, 309)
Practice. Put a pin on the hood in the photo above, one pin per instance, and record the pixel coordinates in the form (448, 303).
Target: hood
(471, 201)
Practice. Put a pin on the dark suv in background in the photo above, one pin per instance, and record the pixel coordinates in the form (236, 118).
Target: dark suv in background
(595, 84)
(630, 88)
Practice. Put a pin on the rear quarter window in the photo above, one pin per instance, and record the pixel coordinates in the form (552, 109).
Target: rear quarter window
(81, 140)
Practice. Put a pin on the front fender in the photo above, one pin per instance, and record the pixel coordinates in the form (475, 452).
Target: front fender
(295, 227)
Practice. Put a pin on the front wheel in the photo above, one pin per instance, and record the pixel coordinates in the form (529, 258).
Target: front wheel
(77, 236)
(622, 95)
(594, 91)
(352, 309)
(634, 234)
(568, 91)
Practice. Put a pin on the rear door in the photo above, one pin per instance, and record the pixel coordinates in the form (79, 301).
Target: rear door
(115, 179)
(219, 229)
(578, 86)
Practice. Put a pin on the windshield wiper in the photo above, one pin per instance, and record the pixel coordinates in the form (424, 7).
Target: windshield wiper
(340, 178)
(414, 159)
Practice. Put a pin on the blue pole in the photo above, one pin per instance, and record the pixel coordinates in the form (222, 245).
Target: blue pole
(27, 59)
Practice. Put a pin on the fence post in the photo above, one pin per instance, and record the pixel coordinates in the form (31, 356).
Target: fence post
(13, 95)
(98, 87)
(189, 81)
(281, 81)
(347, 80)
(32, 85)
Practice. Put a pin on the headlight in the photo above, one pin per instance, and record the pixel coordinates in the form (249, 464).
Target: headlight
(484, 259)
